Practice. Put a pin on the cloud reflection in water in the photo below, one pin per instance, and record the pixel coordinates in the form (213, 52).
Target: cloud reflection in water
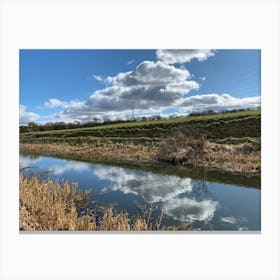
(171, 191)
(69, 165)
(28, 161)
(189, 210)
(152, 187)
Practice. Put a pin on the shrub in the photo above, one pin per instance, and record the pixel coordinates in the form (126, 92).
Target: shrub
(186, 145)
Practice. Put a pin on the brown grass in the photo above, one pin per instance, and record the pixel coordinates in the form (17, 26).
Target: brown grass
(47, 205)
(243, 158)
(196, 150)
(185, 146)
(182, 147)
(114, 152)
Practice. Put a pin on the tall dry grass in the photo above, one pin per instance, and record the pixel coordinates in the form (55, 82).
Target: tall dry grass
(112, 152)
(183, 147)
(47, 205)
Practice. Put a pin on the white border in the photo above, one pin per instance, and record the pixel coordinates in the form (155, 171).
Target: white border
(135, 24)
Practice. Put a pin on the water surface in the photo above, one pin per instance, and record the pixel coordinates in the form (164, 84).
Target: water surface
(202, 203)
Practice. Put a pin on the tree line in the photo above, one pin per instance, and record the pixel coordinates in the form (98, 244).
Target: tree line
(33, 127)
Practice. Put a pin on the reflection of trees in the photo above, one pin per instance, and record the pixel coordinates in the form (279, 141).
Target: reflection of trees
(200, 189)
(34, 157)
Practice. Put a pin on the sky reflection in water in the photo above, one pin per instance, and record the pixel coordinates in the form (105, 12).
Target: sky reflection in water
(203, 204)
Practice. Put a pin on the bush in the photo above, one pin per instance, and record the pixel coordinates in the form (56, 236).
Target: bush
(186, 145)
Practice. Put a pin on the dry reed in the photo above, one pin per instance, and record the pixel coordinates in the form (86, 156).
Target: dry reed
(196, 150)
(47, 205)
(113, 152)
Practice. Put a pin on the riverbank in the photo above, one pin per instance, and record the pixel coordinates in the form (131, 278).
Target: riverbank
(225, 142)
(95, 153)
(241, 158)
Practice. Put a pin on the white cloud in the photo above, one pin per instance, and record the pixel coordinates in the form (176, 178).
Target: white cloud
(107, 104)
(73, 104)
(188, 210)
(130, 61)
(150, 86)
(26, 117)
(183, 56)
(216, 102)
(150, 72)
(99, 78)
(53, 103)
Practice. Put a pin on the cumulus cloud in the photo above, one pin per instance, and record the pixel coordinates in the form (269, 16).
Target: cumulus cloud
(150, 86)
(183, 56)
(188, 210)
(26, 117)
(216, 102)
(150, 72)
(113, 107)
(152, 187)
(53, 102)
(153, 87)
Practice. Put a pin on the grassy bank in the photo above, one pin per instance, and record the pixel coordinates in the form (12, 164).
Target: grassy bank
(48, 205)
(239, 158)
(228, 142)
(219, 126)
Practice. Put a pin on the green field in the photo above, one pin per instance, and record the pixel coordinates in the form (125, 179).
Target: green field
(217, 127)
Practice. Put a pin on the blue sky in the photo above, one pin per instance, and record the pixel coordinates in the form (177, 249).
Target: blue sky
(79, 85)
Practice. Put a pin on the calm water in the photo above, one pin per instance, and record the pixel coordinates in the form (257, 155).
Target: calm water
(207, 205)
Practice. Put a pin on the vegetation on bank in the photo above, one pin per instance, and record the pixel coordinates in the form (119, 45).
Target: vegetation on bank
(228, 142)
(219, 126)
(95, 122)
(110, 153)
(187, 147)
(48, 205)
